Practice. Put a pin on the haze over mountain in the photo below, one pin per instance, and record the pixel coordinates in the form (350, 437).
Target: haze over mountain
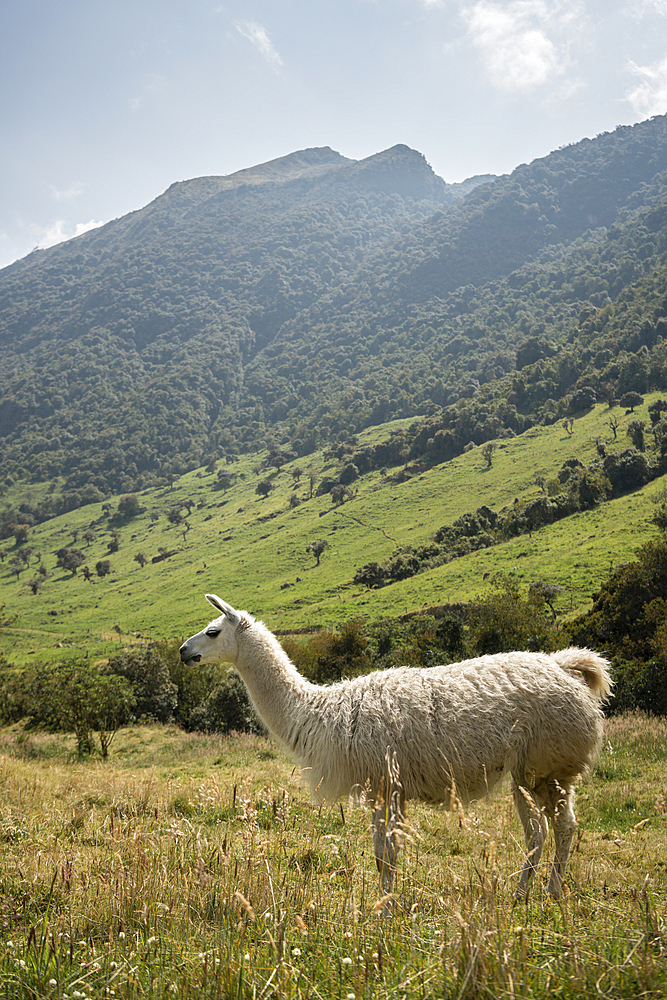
(303, 299)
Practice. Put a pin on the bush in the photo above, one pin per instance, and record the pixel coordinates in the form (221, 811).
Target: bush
(640, 685)
(77, 697)
(629, 609)
(330, 656)
(148, 674)
(506, 620)
(226, 709)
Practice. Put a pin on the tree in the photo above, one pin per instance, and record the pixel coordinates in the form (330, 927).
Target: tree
(631, 399)
(371, 575)
(130, 506)
(224, 480)
(340, 493)
(114, 543)
(487, 452)
(548, 592)
(317, 548)
(141, 558)
(330, 656)
(20, 532)
(70, 559)
(264, 487)
(349, 473)
(635, 431)
(103, 567)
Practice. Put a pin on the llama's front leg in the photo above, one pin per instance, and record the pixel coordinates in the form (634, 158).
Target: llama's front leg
(565, 826)
(535, 829)
(388, 816)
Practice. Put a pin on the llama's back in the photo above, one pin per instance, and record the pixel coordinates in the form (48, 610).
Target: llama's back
(463, 725)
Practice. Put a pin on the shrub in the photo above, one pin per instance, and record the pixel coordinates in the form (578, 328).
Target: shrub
(226, 708)
(75, 696)
(330, 656)
(639, 685)
(629, 608)
(148, 674)
(506, 620)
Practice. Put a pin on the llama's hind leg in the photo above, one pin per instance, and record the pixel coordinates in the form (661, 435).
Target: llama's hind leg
(535, 828)
(388, 816)
(565, 826)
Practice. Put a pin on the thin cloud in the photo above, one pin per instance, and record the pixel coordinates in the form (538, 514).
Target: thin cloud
(649, 97)
(516, 41)
(57, 232)
(257, 36)
(66, 194)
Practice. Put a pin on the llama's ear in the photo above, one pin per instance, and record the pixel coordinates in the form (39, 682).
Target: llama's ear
(225, 609)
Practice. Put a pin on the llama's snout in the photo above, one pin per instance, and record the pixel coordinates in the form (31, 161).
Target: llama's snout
(187, 656)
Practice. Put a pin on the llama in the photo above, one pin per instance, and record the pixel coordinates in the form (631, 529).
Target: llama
(438, 734)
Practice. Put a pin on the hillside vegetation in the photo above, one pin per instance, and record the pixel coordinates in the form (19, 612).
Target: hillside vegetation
(212, 531)
(317, 296)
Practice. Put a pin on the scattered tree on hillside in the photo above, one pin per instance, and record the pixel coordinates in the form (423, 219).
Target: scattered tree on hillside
(264, 487)
(130, 506)
(21, 533)
(631, 399)
(613, 424)
(103, 567)
(635, 431)
(70, 559)
(141, 558)
(340, 493)
(488, 451)
(317, 548)
(224, 479)
(114, 542)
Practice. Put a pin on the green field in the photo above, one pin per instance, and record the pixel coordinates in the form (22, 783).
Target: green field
(245, 547)
(195, 866)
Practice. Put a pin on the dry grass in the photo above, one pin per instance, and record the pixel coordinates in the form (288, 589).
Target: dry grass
(195, 866)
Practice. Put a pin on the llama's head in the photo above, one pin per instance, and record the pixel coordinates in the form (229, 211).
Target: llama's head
(219, 640)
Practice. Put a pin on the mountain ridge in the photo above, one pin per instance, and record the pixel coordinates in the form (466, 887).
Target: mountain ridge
(306, 298)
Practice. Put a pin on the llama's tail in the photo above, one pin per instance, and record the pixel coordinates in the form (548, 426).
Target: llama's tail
(593, 668)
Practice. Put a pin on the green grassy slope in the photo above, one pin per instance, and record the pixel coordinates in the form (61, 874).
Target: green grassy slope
(246, 548)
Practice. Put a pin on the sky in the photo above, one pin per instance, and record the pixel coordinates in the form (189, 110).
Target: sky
(105, 104)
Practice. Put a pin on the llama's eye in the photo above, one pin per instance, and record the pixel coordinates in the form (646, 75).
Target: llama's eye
(213, 633)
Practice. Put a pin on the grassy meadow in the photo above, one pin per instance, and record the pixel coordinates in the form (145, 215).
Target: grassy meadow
(195, 866)
(253, 550)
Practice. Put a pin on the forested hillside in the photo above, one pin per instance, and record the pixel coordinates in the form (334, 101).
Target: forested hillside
(300, 301)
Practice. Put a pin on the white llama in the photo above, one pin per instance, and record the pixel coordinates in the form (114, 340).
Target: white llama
(437, 734)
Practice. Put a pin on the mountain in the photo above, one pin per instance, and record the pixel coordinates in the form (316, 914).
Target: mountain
(306, 298)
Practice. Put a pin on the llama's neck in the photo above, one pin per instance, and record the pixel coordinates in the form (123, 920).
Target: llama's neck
(278, 691)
